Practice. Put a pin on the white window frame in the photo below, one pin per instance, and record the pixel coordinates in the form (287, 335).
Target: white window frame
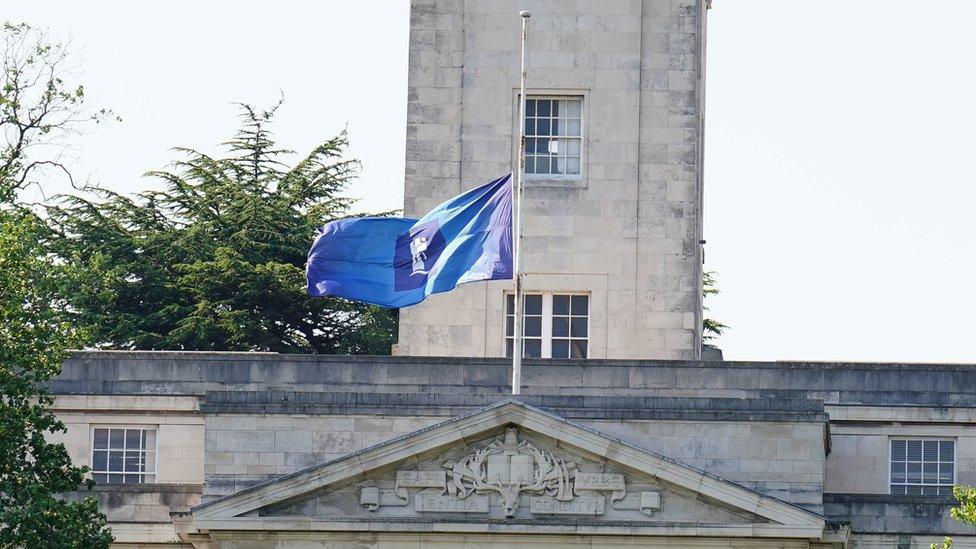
(124, 427)
(955, 461)
(547, 323)
(555, 180)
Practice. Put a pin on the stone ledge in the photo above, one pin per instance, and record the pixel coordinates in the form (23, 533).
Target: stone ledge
(428, 404)
(149, 488)
(249, 356)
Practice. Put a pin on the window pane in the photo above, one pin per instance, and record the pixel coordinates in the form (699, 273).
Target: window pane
(572, 127)
(542, 107)
(533, 348)
(578, 328)
(560, 166)
(572, 147)
(149, 462)
(555, 107)
(150, 440)
(560, 326)
(530, 165)
(508, 347)
(115, 461)
(101, 438)
(898, 450)
(99, 460)
(541, 165)
(529, 107)
(574, 107)
(914, 450)
(533, 326)
(945, 473)
(554, 131)
(533, 304)
(116, 438)
(115, 479)
(573, 166)
(133, 438)
(898, 472)
(560, 348)
(560, 304)
(509, 325)
(578, 348)
(530, 127)
(946, 450)
(133, 462)
(915, 490)
(914, 472)
(930, 473)
(580, 305)
(930, 450)
(100, 478)
(542, 127)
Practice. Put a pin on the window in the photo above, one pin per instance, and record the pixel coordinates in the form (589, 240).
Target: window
(553, 135)
(925, 467)
(554, 326)
(123, 455)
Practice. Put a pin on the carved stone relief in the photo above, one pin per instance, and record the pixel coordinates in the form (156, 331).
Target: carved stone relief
(508, 469)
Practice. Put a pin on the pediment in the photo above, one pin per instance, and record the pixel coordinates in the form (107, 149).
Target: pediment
(511, 467)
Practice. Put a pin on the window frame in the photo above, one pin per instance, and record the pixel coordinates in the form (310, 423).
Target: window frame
(955, 463)
(555, 180)
(547, 318)
(154, 473)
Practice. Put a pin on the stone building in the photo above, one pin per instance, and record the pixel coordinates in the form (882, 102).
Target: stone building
(257, 450)
(613, 169)
(623, 437)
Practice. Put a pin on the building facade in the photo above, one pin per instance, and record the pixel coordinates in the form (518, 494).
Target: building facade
(253, 450)
(612, 203)
(642, 444)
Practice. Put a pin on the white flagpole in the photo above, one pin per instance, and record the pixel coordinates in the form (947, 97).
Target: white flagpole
(519, 306)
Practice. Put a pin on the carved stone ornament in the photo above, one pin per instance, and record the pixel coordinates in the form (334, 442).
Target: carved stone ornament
(508, 468)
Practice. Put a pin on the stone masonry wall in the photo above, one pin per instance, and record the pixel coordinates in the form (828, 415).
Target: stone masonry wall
(627, 230)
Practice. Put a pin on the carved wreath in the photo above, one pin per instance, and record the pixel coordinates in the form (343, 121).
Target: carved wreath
(551, 475)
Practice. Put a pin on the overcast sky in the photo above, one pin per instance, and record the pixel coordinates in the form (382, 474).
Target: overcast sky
(838, 162)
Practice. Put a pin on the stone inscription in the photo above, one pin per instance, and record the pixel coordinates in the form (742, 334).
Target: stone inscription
(421, 479)
(582, 505)
(599, 481)
(426, 502)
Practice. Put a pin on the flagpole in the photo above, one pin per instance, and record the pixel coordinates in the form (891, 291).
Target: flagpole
(519, 305)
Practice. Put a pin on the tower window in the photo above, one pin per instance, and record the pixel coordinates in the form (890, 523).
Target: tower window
(554, 325)
(553, 135)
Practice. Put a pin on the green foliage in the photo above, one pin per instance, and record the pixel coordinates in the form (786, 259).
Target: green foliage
(215, 260)
(965, 512)
(40, 106)
(33, 340)
(711, 328)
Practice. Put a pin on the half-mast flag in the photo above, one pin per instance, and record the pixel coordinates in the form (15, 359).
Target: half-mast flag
(397, 262)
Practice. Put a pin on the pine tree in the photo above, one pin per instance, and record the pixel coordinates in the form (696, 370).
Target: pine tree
(215, 260)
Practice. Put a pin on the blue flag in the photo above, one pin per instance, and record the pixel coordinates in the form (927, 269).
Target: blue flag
(396, 262)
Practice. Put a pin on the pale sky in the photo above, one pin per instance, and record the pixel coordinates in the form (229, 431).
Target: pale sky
(838, 158)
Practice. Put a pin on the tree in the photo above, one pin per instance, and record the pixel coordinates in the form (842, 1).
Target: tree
(36, 110)
(215, 260)
(40, 107)
(711, 328)
(33, 340)
(964, 512)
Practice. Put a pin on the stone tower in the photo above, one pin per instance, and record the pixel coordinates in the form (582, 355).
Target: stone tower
(612, 230)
